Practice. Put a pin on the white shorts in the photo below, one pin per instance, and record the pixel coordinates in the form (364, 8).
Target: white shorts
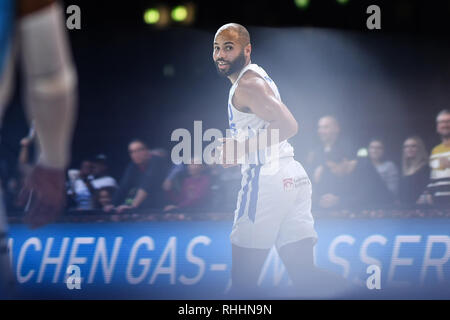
(273, 208)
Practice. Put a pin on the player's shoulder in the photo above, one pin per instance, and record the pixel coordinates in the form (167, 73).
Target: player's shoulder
(251, 82)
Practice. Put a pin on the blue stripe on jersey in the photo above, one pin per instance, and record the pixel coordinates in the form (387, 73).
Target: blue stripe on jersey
(254, 194)
(7, 14)
(243, 202)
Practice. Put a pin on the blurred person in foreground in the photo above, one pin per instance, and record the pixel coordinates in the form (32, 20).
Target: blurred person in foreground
(415, 171)
(141, 184)
(35, 32)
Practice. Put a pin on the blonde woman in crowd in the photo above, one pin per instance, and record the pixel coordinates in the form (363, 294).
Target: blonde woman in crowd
(415, 170)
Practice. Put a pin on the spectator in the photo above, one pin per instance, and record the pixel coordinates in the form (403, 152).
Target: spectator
(101, 178)
(173, 180)
(194, 190)
(78, 188)
(104, 197)
(365, 190)
(415, 171)
(330, 165)
(141, 183)
(386, 169)
(439, 185)
(225, 186)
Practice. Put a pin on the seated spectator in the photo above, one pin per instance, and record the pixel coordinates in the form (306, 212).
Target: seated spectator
(101, 178)
(225, 186)
(104, 197)
(78, 187)
(173, 180)
(330, 164)
(415, 171)
(386, 169)
(194, 191)
(140, 186)
(92, 176)
(368, 189)
(439, 185)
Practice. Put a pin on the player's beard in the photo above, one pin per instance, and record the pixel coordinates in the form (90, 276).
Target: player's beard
(234, 66)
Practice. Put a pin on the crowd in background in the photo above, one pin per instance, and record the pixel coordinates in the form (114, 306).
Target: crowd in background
(343, 177)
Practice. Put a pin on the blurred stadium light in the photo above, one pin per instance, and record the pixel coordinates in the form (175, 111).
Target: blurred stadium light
(343, 2)
(183, 13)
(151, 16)
(159, 16)
(164, 16)
(302, 4)
(179, 13)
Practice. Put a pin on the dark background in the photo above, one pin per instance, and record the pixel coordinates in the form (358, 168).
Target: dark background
(387, 83)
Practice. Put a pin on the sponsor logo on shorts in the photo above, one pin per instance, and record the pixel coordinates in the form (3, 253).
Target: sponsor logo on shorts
(299, 181)
(292, 183)
(288, 184)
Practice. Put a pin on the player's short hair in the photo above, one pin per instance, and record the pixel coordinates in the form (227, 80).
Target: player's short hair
(244, 36)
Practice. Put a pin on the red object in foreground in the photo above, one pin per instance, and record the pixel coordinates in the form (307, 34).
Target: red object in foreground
(43, 195)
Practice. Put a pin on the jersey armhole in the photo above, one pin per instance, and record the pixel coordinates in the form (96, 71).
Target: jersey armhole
(259, 76)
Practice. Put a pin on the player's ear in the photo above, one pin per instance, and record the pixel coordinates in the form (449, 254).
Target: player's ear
(248, 49)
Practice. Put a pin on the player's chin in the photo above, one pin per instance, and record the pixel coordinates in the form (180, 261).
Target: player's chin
(222, 72)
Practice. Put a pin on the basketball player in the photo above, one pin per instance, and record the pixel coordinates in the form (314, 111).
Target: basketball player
(34, 32)
(274, 206)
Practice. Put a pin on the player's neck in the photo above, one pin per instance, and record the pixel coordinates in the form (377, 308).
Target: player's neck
(233, 77)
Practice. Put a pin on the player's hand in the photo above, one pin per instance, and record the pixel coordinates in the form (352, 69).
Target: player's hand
(228, 144)
(44, 195)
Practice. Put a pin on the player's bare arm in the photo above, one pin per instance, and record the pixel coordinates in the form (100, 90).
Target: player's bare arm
(253, 95)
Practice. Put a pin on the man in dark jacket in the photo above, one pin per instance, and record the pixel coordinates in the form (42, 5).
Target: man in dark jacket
(140, 186)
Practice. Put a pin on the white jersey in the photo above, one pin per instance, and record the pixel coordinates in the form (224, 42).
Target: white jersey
(274, 203)
(244, 125)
